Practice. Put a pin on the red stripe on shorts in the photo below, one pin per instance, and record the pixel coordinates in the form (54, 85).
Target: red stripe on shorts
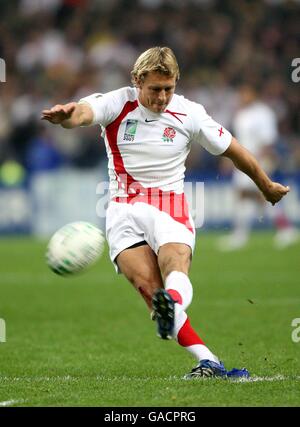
(169, 202)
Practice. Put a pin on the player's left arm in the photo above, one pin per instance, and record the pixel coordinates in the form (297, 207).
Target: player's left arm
(246, 162)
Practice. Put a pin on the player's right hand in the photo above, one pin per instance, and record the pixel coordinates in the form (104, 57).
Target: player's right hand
(59, 113)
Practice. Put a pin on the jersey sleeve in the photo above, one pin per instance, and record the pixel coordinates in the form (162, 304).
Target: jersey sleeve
(105, 107)
(207, 132)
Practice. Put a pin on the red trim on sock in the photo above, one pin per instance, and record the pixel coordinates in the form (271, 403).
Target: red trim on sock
(187, 336)
(175, 295)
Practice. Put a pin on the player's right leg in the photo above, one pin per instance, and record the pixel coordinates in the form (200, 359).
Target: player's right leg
(129, 252)
(139, 266)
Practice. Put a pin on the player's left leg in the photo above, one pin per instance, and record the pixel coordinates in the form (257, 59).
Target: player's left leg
(174, 260)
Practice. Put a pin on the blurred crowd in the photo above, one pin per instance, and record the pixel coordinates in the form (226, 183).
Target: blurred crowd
(57, 51)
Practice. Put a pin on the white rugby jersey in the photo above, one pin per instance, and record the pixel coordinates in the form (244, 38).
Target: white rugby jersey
(148, 150)
(255, 127)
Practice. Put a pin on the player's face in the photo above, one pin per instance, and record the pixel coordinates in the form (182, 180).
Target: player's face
(156, 91)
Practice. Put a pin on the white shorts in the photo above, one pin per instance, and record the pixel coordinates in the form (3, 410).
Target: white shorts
(128, 224)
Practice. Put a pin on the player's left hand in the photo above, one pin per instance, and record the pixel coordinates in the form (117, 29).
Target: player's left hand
(275, 192)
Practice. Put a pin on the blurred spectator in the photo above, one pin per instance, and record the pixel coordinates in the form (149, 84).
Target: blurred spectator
(41, 154)
(57, 49)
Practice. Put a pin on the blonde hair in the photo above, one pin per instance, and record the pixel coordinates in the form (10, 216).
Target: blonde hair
(161, 59)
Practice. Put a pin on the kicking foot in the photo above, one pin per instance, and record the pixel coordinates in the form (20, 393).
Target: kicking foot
(163, 313)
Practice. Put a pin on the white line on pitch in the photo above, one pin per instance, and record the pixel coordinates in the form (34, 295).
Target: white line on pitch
(11, 402)
(260, 379)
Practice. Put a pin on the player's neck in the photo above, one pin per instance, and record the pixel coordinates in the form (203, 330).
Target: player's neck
(147, 111)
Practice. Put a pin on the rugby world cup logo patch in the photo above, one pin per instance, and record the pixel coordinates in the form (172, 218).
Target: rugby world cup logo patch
(130, 130)
(169, 134)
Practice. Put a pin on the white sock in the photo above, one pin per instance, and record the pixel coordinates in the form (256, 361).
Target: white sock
(181, 284)
(180, 288)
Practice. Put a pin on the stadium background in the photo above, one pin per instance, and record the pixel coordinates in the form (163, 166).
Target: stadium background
(89, 340)
(59, 50)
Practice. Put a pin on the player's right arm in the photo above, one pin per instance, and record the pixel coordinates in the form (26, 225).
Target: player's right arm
(69, 115)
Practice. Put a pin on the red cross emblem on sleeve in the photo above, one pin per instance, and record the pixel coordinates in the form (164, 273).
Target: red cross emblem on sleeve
(220, 131)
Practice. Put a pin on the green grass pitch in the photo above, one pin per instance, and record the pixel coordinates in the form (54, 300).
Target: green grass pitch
(89, 340)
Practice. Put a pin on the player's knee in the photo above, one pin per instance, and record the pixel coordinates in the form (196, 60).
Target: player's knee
(174, 257)
(178, 260)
